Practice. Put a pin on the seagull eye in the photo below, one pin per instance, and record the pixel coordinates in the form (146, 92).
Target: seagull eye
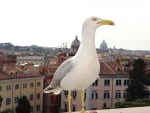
(94, 19)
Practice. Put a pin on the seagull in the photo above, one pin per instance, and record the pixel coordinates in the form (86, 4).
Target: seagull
(81, 70)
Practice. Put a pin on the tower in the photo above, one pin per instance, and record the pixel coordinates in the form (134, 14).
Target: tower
(103, 47)
(74, 46)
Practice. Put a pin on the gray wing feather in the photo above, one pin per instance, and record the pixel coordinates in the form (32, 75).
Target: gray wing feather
(61, 72)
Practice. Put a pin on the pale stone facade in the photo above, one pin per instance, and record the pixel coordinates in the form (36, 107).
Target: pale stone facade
(104, 93)
(33, 59)
(12, 87)
(108, 89)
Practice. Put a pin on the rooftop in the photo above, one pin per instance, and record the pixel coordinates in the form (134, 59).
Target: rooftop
(11, 71)
(112, 68)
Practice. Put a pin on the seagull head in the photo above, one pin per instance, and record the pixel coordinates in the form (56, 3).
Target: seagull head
(95, 22)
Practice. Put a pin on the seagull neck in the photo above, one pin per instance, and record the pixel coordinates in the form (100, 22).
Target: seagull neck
(88, 39)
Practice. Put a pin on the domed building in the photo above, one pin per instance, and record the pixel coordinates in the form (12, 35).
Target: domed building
(74, 46)
(103, 47)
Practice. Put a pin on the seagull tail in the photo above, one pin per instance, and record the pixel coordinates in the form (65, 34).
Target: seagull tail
(55, 91)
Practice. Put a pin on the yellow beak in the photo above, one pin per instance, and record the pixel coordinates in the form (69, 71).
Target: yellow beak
(106, 22)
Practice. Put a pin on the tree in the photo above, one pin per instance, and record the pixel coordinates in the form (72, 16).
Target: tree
(135, 103)
(23, 105)
(8, 111)
(139, 81)
(1, 99)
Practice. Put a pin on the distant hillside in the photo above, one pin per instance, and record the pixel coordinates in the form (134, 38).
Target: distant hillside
(130, 52)
(10, 48)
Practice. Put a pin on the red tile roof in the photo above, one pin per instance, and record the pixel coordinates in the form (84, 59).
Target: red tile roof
(13, 72)
(112, 68)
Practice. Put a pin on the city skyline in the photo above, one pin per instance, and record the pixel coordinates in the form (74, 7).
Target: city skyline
(52, 23)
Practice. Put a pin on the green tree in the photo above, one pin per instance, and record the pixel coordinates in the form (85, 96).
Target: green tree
(135, 103)
(1, 99)
(23, 105)
(8, 111)
(139, 81)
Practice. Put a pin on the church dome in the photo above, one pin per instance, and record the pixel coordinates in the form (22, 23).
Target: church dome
(103, 46)
(74, 46)
(75, 43)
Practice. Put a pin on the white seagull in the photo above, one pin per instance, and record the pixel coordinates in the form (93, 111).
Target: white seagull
(81, 70)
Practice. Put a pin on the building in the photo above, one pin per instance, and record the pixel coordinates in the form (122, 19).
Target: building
(15, 83)
(51, 102)
(7, 58)
(103, 47)
(74, 46)
(105, 92)
(31, 59)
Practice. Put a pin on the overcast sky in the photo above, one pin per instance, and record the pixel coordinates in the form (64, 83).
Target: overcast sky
(51, 23)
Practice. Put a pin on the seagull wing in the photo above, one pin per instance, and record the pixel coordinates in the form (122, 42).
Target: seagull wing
(60, 73)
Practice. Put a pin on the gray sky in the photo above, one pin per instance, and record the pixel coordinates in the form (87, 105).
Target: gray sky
(50, 23)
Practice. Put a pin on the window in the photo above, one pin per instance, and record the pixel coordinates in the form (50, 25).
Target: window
(95, 83)
(38, 108)
(124, 94)
(66, 93)
(118, 82)
(107, 82)
(126, 82)
(38, 96)
(31, 84)
(52, 99)
(24, 85)
(38, 83)
(0, 88)
(74, 93)
(16, 99)
(94, 95)
(8, 87)
(73, 108)
(106, 94)
(93, 108)
(105, 105)
(31, 97)
(31, 109)
(8, 101)
(84, 96)
(118, 94)
(16, 86)
(66, 107)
